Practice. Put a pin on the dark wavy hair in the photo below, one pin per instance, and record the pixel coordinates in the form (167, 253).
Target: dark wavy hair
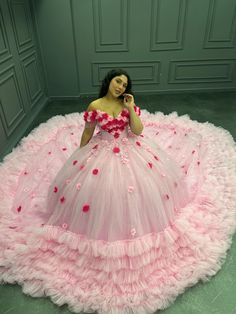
(107, 79)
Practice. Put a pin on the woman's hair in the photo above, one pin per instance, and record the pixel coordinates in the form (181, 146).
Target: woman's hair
(110, 75)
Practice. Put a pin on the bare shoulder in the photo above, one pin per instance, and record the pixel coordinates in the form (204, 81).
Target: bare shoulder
(94, 105)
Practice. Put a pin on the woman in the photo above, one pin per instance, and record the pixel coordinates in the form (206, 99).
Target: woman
(129, 219)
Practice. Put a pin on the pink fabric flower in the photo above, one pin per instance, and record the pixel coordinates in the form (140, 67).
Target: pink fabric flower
(62, 199)
(130, 189)
(116, 150)
(78, 186)
(81, 167)
(64, 226)
(95, 171)
(86, 208)
(133, 232)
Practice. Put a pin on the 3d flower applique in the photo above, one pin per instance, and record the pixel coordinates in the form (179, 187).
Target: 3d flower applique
(33, 195)
(64, 148)
(95, 171)
(64, 226)
(150, 165)
(95, 147)
(75, 162)
(130, 188)
(25, 173)
(193, 151)
(19, 208)
(163, 175)
(156, 157)
(116, 135)
(166, 197)
(133, 232)
(78, 186)
(55, 190)
(116, 150)
(138, 143)
(81, 167)
(86, 208)
(62, 199)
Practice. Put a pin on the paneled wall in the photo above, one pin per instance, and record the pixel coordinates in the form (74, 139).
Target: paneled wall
(21, 85)
(166, 45)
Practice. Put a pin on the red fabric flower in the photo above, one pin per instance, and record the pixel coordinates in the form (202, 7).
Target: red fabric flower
(19, 209)
(95, 147)
(95, 171)
(62, 199)
(81, 167)
(64, 148)
(156, 157)
(86, 208)
(75, 162)
(138, 143)
(116, 135)
(150, 165)
(116, 150)
(55, 189)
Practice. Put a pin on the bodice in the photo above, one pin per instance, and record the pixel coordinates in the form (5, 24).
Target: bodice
(115, 126)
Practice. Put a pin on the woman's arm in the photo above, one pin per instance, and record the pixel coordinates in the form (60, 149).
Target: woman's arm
(135, 122)
(88, 129)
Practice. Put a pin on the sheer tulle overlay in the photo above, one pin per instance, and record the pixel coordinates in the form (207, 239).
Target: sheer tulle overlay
(124, 224)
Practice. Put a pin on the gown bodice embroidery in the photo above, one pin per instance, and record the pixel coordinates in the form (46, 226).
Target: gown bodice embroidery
(113, 125)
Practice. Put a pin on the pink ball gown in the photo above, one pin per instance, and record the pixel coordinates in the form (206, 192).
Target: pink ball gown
(123, 224)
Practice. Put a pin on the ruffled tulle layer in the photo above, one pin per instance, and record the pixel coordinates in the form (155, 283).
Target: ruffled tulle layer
(137, 275)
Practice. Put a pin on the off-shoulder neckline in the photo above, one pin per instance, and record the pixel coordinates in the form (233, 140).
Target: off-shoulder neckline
(124, 109)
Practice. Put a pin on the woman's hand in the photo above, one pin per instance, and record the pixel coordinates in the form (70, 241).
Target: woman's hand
(128, 101)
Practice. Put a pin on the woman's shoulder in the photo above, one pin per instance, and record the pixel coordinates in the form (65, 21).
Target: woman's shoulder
(94, 105)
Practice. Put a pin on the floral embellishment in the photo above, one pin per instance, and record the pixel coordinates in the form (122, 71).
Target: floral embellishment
(138, 143)
(81, 167)
(130, 189)
(86, 208)
(198, 163)
(95, 147)
(49, 153)
(150, 165)
(156, 157)
(19, 209)
(95, 171)
(116, 150)
(193, 152)
(25, 173)
(64, 226)
(78, 186)
(55, 189)
(75, 162)
(64, 148)
(175, 132)
(167, 197)
(116, 135)
(133, 232)
(62, 199)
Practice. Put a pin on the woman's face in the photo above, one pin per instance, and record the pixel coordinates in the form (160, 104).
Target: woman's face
(118, 85)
